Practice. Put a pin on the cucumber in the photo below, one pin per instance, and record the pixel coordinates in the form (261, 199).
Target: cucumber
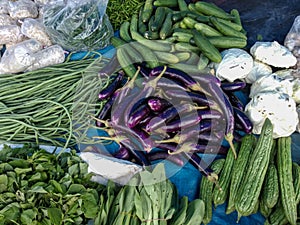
(287, 190)
(133, 23)
(182, 5)
(189, 22)
(182, 36)
(227, 42)
(193, 9)
(188, 68)
(211, 9)
(154, 45)
(166, 57)
(147, 54)
(206, 190)
(142, 27)
(182, 56)
(178, 15)
(220, 192)
(207, 30)
(166, 28)
(151, 35)
(165, 3)
(159, 17)
(235, 26)
(256, 170)
(202, 62)
(263, 209)
(239, 168)
(193, 60)
(183, 46)
(147, 10)
(124, 31)
(206, 47)
(225, 29)
(126, 62)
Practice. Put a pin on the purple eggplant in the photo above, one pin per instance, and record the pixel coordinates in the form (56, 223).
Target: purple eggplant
(110, 89)
(163, 155)
(235, 101)
(209, 114)
(206, 78)
(199, 98)
(224, 105)
(166, 116)
(243, 120)
(138, 155)
(138, 115)
(157, 104)
(178, 75)
(165, 84)
(233, 86)
(112, 66)
(204, 148)
(122, 153)
(106, 110)
(144, 71)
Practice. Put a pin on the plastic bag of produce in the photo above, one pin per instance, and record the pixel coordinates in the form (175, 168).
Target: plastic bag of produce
(22, 9)
(78, 25)
(34, 28)
(292, 40)
(10, 34)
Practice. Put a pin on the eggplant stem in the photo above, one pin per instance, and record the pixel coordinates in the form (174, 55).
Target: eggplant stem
(229, 138)
(105, 122)
(175, 139)
(153, 82)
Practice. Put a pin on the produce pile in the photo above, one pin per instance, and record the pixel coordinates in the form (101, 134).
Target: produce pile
(182, 87)
(39, 187)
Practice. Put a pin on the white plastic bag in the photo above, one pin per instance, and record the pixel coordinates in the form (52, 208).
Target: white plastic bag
(10, 34)
(5, 20)
(78, 25)
(4, 6)
(19, 57)
(33, 28)
(292, 40)
(22, 9)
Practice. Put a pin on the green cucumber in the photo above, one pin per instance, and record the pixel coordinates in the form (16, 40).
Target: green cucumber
(211, 9)
(165, 3)
(207, 30)
(296, 178)
(148, 55)
(182, 5)
(227, 42)
(147, 10)
(166, 57)
(183, 46)
(189, 22)
(182, 36)
(270, 192)
(206, 47)
(239, 168)
(202, 62)
(151, 35)
(166, 28)
(124, 31)
(287, 190)
(256, 171)
(159, 17)
(225, 29)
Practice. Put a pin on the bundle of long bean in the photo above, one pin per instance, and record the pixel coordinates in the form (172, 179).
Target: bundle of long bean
(50, 105)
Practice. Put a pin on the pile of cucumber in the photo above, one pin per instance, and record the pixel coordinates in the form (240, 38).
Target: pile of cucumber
(262, 179)
(185, 36)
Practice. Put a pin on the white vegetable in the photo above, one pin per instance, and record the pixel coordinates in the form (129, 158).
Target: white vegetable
(236, 64)
(52, 55)
(33, 28)
(274, 54)
(278, 107)
(6, 20)
(109, 168)
(272, 82)
(4, 6)
(22, 9)
(259, 70)
(10, 34)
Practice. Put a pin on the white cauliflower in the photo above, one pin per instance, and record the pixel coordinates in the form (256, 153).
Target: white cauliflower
(236, 64)
(259, 69)
(274, 54)
(278, 107)
(272, 82)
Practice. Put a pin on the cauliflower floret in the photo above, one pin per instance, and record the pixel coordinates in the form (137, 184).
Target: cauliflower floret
(259, 70)
(274, 54)
(272, 82)
(278, 107)
(236, 64)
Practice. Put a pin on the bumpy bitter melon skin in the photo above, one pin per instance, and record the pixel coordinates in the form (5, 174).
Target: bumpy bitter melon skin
(257, 169)
(285, 172)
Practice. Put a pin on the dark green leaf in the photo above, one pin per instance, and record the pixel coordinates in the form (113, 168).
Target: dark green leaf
(38, 189)
(57, 186)
(90, 207)
(11, 211)
(73, 170)
(27, 216)
(55, 215)
(76, 188)
(3, 183)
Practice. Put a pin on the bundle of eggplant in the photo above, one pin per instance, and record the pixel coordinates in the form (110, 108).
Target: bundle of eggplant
(165, 113)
